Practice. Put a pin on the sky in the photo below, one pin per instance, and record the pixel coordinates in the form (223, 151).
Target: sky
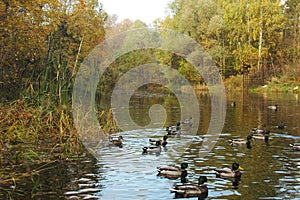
(145, 10)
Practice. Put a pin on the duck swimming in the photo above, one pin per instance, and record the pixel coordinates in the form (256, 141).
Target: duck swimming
(275, 107)
(257, 130)
(174, 128)
(262, 136)
(192, 190)
(295, 146)
(174, 172)
(229, 173)
(162, 142)
(153, 149)
(280, 126)
(117, 141)
(240, 140)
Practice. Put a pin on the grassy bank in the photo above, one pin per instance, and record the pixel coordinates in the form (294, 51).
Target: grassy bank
(37, 136)
(274, 85)
(278, 85)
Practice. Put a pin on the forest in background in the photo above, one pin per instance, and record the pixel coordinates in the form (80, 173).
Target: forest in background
(44, 42)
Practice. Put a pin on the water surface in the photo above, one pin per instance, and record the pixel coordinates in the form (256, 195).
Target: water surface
(271, 170)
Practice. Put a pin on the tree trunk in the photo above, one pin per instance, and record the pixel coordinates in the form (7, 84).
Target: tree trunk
(259, 66)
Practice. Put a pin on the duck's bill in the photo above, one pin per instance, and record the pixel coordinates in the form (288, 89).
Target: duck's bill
(240, 168)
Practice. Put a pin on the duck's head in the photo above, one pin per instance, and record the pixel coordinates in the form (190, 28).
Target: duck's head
(165, 137)
(145, 150)
(178, 123)
(236, 166)
(202, 180)
(184, 165)
(249, 137)
(121, 137)
(267, 131)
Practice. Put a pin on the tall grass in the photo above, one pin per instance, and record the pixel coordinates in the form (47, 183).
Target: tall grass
(39, 128)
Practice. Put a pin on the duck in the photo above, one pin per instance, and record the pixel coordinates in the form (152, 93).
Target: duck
(191, 190)
(295, 146)
(234, 172)
(162, 142)
(296, 87)
(174, 172)
(257, 130)
(173, 133)
(174, 128)
(241, 141)
(280, 126)
(117, 141)
(153, 149)
(262, 136)
(275, 107)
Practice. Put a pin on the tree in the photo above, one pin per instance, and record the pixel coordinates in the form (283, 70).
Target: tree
(292, 29)
(40, 36)
(201, 20)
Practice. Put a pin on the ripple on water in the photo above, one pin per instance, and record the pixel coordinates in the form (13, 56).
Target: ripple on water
(127, 174)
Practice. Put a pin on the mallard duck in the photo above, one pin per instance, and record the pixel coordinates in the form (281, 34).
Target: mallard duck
(241, 141)
(262, 136)
(257, 130)
(174, 128)
(162, 142)
(280, 126)
(117, 141)
(295, 146)
(186, 191)
(229, 173)
(174, 172)
(153, 149)
(173, 133)
(275, 107)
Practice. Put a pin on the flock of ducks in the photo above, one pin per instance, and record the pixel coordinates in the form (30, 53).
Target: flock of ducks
(186, 189)
(261, 133)
(200, 190)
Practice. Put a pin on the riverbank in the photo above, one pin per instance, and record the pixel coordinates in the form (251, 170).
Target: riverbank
(275, 85)
(35, 137)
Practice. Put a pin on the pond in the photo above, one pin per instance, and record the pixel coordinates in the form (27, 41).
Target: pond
(271, 170)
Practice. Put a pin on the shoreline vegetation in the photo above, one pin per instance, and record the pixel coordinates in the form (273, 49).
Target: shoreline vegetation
(39, 136)
(275, 85)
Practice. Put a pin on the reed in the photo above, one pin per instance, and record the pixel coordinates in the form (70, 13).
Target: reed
(39, 128)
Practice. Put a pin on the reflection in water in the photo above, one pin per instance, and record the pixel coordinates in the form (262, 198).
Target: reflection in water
(271, 169)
